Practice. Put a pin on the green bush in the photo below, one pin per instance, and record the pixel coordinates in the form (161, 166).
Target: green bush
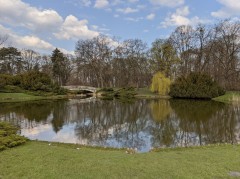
(128, 92)
(5, 80)
(35, 80)
(121, 93)
(11, 89)
(195, 85)
(2, 84)
(106, 89)
(9, 137)
(41, 82)
(31, 81)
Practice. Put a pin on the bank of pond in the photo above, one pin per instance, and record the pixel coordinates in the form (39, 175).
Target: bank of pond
(142, 124)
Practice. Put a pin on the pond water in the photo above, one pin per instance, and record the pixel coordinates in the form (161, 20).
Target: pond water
(141, 124)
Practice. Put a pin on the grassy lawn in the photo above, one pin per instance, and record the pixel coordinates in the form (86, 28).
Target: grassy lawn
(229, 97)
(41, 160)
(146, 93)
(19, 97)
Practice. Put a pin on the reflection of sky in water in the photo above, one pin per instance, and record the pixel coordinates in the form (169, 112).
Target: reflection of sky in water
(142, 124)
(45, 132)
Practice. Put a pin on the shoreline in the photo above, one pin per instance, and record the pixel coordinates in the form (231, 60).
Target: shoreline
(159, 149)
(24, 97)
(231, 97)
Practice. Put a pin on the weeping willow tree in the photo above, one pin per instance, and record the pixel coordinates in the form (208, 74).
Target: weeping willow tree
(160, 84)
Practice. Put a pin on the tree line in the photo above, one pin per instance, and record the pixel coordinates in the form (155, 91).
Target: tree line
(105, 62)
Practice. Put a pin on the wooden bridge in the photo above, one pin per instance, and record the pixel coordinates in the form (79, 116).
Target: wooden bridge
(81, 88)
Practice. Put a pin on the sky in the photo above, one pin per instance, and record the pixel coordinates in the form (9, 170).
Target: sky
(43, 25)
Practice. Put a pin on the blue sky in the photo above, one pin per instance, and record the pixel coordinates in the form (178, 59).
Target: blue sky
(43, 25)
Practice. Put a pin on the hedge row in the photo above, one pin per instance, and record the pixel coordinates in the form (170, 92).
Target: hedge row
(32, 81)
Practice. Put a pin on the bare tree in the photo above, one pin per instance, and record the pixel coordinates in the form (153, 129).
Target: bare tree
(31, 60)
(225, 53)
(3, 39)
(93, 58)
(183, 41)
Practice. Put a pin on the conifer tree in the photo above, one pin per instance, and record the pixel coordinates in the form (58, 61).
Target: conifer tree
(60, 67)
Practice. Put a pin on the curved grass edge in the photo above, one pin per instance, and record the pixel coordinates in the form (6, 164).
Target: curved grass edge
(229, 97)
(59, 160)
(161, 149)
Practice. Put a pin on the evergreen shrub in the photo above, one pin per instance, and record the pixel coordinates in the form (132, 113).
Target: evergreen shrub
(196, 85)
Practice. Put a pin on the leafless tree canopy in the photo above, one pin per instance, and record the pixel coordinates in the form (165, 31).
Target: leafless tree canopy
(104, 62)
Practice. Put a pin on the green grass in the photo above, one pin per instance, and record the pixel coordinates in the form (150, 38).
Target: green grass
(146, 93)
(20, 97)
(40, 160)
(143, 93)
(229, 97)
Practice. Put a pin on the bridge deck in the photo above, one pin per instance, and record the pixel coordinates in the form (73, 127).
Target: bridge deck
(78, 88)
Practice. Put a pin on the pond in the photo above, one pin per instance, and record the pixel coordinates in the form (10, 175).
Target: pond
(141, 124)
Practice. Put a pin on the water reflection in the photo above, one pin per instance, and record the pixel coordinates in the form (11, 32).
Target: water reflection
(141, 124)
(210, 121)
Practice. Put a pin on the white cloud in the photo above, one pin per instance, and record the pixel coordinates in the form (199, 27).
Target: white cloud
(168, 3)
(183, 11)
(101, 29)
(127, 10)
(18, 13)
(231, 8)
(33, 41)
(28, 41)
(101, 4)
(179, 18)
(73, 28)
(150, 16)
(42, 20)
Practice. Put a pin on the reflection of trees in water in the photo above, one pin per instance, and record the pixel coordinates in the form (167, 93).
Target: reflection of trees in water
(222, 127)
(164, 131)
(176, 123)
(30, 114)
(160, 109)
(26, 114)
(138, 124)
(104, 122)
(60, 114)
(204, 122)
